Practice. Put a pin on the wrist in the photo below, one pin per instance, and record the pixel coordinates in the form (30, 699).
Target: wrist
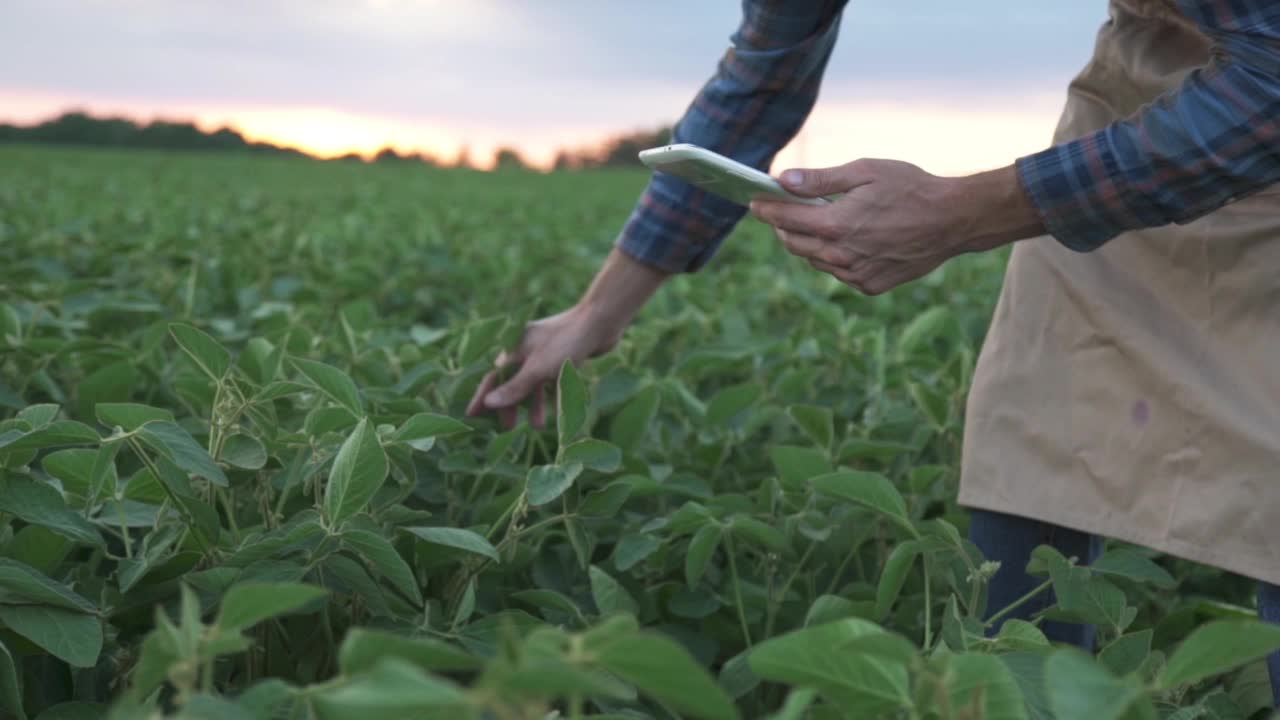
(993, 210)
(618, 291)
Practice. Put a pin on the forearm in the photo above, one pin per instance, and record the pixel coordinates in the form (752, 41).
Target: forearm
(992, 209)
(620, 289)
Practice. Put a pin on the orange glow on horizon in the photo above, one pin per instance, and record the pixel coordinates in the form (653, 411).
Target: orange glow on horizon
(940, 138)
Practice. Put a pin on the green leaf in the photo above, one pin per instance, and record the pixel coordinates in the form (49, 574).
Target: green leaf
(129, 416)
(244, 451)
(922, 329)
(1090, 598)
(466, 605)
(829, 608)
(380, 553)
(10, 687)
(980, 686)
(549, 600)
(247, 604)
(896, 567)
(605, 502)
(797, 465)
(1126, 653)
(358, 471)
(39, 415)
(102, 474)
(56, 434)
(114, 382)
(571, 404)
(71, 467)
(891, 647)
(175, 444)
(593, 454)
(22, 584)
(364, 647)
(212, 359)
(548, 482)
(333, 382)
(631, 423)
(73, 637)
(455, 538)
(38, 547)
(796, 706)
(609, 595)
(816, 422)
(934, 404)
(391, 690)
(482, 336)
(76, 710)
(420, 428)
(759, 533)
(1027, 669)
(861, 685)
(632, 549)
(1080, 689)
(701, 548)
(38, 503)
(868, 489)
(730, 401)
(663, 669)
(1021, 635)
(1217, 647)
(1130, 564)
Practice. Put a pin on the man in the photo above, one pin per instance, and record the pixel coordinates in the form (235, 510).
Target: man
(1129, 384)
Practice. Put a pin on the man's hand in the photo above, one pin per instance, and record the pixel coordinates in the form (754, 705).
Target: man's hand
(590, 328)
(896, 222)
(547, 343)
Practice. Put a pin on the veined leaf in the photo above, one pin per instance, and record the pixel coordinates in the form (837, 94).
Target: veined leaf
(358, 471)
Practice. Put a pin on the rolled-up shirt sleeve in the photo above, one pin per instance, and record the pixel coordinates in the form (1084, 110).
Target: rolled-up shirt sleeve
(1214, 139)
(762, 92)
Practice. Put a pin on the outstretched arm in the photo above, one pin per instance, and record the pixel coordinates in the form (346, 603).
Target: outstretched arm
(755, 103)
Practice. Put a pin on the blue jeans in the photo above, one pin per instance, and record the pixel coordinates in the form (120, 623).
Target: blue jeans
(1009, 539)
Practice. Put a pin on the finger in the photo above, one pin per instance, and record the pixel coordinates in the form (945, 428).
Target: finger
(819, 182)
(506, 358)
(538, 413)
(476, 406)
(801, 245)
(796, 218)
(843, 274)
(516, 389)
(507, 416)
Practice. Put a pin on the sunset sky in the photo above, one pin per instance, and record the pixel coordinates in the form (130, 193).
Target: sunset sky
(955, 87)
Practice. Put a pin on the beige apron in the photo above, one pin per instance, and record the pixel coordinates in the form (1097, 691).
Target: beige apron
(1134, 392)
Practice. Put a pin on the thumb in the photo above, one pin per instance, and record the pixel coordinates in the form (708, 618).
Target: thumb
(818, 182)
(514, 390)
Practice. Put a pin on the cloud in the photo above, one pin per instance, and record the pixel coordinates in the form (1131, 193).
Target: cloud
(438, 72)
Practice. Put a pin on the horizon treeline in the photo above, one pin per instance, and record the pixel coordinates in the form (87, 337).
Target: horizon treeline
(78, 127)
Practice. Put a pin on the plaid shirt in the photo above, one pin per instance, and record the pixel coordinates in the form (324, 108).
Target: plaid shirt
(1212, 141)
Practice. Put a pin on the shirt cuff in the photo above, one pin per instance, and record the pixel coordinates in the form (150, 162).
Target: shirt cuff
(677, 232)
(1075, 188)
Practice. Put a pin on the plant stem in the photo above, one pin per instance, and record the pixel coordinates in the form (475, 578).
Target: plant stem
(124, 531)
(928, 604)
(782, 593)
(231, 515)
(191, 521)
(737, 587)
(1019, 602)
(493, 529)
